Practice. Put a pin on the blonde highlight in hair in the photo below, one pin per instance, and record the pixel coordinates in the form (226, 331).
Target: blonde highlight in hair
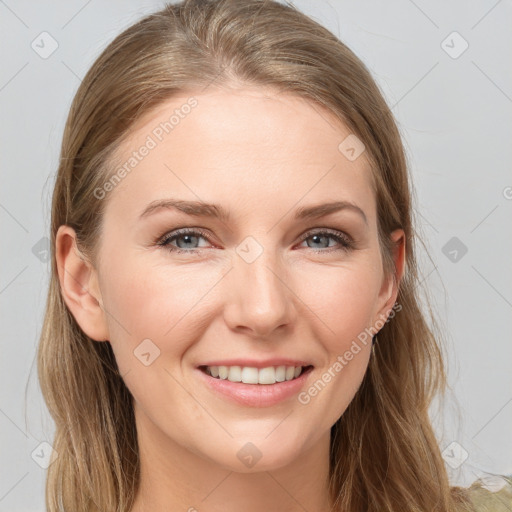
(384, 454)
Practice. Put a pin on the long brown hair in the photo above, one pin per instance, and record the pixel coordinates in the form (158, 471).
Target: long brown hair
(384, 454)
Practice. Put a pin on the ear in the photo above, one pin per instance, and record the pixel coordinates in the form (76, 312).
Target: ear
(79, 285)
(390, 285)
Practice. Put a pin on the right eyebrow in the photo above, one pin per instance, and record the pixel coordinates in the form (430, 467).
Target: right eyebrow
(195, 208)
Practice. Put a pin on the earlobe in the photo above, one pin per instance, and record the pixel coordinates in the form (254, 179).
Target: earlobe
(390, 288)
(79, 286)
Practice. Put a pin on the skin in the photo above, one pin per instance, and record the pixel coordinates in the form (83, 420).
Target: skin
(261, 155)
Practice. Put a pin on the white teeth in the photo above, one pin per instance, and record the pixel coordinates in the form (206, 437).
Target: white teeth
(223, 372)
(267, 375)
(250, 375)
(280, 373)
(235, 374)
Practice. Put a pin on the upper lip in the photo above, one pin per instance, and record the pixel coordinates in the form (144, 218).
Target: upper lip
(282, 361)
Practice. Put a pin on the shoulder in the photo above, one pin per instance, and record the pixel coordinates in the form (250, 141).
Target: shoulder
(491, 494)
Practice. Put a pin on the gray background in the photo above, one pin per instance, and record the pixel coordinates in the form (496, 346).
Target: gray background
(454, 110)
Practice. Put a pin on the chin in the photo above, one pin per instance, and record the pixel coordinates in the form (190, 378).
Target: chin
(253, 456)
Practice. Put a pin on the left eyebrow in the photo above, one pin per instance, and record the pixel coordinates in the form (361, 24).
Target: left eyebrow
(321, 210)
(200, 209)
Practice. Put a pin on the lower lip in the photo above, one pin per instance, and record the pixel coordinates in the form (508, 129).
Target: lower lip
(256, 395)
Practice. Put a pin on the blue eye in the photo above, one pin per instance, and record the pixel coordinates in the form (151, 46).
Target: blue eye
(188, 235)
(192, 236)
(343, 240)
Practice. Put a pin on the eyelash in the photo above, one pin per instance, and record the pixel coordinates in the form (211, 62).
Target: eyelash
(346, 243)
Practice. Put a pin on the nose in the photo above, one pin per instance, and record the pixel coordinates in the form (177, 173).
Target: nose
(260, 301)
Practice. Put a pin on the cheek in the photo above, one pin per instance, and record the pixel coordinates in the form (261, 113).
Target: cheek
(342, 299)
(154, 316)
(165, 303)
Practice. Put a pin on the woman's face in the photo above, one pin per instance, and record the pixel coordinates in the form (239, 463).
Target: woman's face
(253, 282)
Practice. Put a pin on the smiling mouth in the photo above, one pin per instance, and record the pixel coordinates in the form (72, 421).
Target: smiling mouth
(250, 375)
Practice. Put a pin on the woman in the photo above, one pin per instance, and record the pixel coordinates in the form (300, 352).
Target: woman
(256, 370)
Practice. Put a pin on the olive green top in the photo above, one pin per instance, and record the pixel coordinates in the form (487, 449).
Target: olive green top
(485, 500)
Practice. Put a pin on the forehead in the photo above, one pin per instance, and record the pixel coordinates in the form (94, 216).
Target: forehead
(249, 147)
